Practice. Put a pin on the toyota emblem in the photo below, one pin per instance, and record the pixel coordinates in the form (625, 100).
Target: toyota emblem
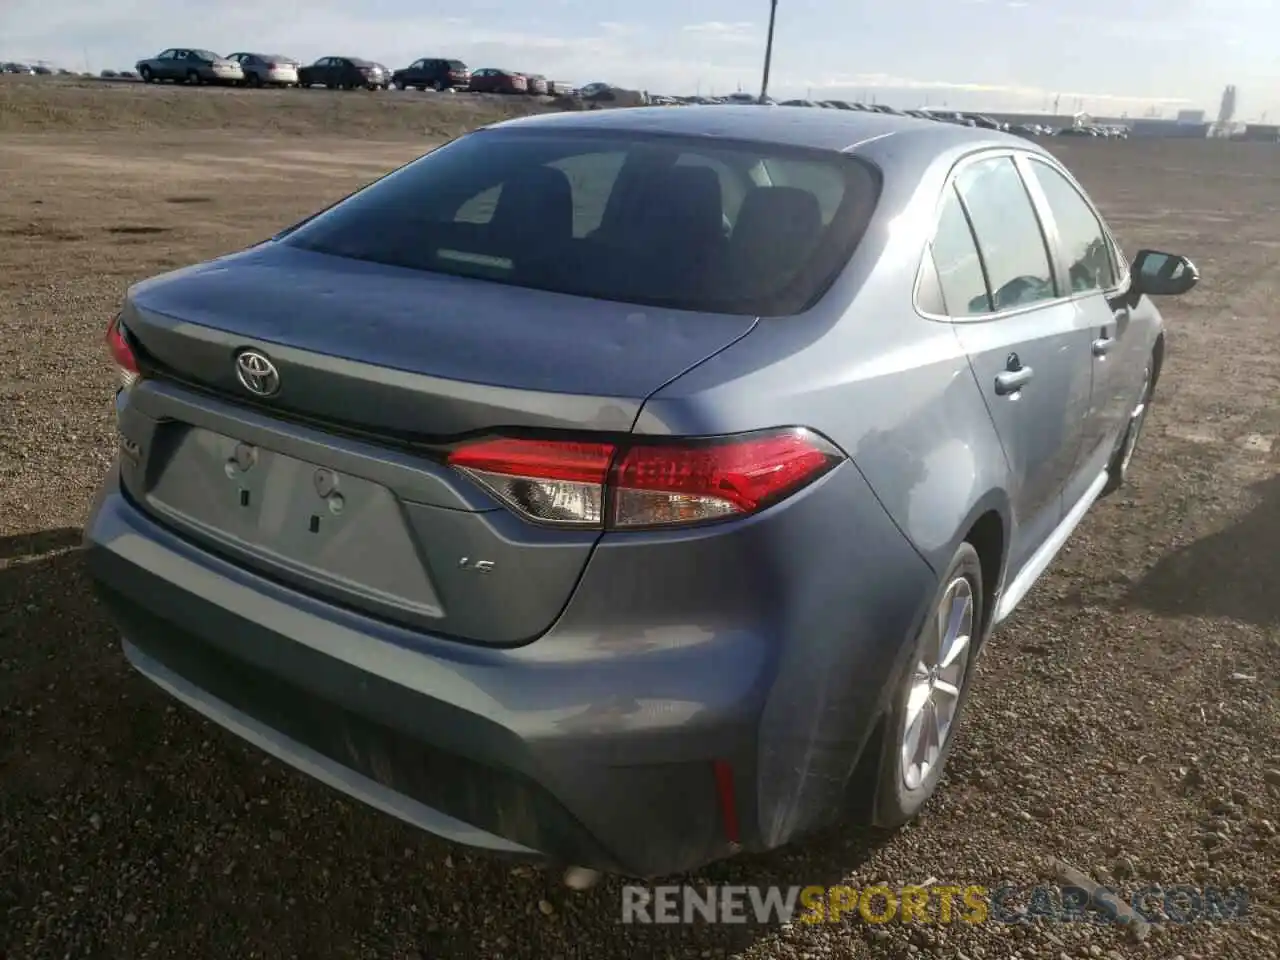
(257, 373)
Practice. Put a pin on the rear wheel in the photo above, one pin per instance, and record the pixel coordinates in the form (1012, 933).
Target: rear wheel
(399, 84)
(147, 75)
(919, 730)
(193, 77)
(438, 86)
(255, 79)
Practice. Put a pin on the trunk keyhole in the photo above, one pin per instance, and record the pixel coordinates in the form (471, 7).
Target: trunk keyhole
(315, 523)
(244, 498)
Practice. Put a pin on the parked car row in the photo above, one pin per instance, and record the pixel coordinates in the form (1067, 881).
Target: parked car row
(193, 65)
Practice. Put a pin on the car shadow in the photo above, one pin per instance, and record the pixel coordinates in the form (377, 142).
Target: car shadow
(1226, 574)
(116, 800)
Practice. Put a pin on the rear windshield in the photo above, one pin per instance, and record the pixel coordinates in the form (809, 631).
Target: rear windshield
(694, 224)
(207, 55)
(456, 65)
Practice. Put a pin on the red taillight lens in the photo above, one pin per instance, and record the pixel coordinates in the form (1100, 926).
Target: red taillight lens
(661, 485)
(645, 485)
(122, 353)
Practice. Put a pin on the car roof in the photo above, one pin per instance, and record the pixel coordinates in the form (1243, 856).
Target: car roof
(835, 130)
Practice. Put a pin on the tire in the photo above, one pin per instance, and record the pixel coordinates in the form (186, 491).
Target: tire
(193, 78)
(1122, 459)
(902, 787)
(254, 80)
(147, 75)
(399, 84)
(438, 86)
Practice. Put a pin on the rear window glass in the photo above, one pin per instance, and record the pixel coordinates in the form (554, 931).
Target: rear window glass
(720, 226)
(456, 65)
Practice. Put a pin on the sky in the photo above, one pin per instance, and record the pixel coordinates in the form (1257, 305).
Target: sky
(1108, 57)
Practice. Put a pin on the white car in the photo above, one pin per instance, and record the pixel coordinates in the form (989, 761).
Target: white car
(267, 69)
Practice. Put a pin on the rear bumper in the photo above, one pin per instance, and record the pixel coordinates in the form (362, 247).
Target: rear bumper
(594, 745)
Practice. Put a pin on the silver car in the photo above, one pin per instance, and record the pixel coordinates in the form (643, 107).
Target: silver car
(627, 487)
(189, 65)
(267, 69)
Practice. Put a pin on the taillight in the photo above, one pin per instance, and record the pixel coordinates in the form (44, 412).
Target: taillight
(637, 485)
(121, 353)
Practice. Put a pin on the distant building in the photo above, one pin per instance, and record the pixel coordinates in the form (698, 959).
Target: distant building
(1147, 127)
(1264, 132)
(1190, 116)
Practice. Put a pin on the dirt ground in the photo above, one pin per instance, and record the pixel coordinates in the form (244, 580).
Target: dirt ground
(1125, 720)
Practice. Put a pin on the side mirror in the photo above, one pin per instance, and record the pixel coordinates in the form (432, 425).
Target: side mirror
(1161, 274)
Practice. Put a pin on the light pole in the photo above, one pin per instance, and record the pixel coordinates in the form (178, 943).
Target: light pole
(768, 51)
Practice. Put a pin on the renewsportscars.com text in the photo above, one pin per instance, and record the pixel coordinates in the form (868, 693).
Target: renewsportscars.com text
(941, 904)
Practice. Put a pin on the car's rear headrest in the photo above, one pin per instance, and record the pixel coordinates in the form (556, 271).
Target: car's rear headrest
(535, 205)
(776, 232)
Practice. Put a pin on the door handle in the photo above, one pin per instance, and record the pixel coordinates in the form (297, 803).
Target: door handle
(1011, 381)
(1102, 346)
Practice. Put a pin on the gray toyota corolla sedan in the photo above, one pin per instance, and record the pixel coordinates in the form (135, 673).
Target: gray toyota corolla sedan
(626, 488)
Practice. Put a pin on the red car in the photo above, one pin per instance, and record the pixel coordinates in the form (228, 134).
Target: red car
(493, 80)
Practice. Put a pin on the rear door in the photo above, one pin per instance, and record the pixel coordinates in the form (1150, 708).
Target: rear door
(1119, 343)
(1026, 341)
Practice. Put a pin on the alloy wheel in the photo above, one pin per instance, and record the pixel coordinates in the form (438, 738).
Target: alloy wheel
(934, 687)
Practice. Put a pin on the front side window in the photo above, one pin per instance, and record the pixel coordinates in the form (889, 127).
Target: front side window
(1084, 243)
(638, 218)
(1008, 232)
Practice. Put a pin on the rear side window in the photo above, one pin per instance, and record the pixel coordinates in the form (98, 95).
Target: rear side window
(639, 218)
(1008, 233)
(955, 256)
(1083, 241)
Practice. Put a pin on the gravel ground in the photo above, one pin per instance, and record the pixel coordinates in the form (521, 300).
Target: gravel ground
(1125, 721)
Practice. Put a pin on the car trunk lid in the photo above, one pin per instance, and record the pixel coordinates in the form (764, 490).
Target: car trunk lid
(332, 485)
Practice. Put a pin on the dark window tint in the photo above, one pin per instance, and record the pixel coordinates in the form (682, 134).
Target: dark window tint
(964, 288)
(456, 65)
(1008, 233)
(644, 219)
(1083, 241)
